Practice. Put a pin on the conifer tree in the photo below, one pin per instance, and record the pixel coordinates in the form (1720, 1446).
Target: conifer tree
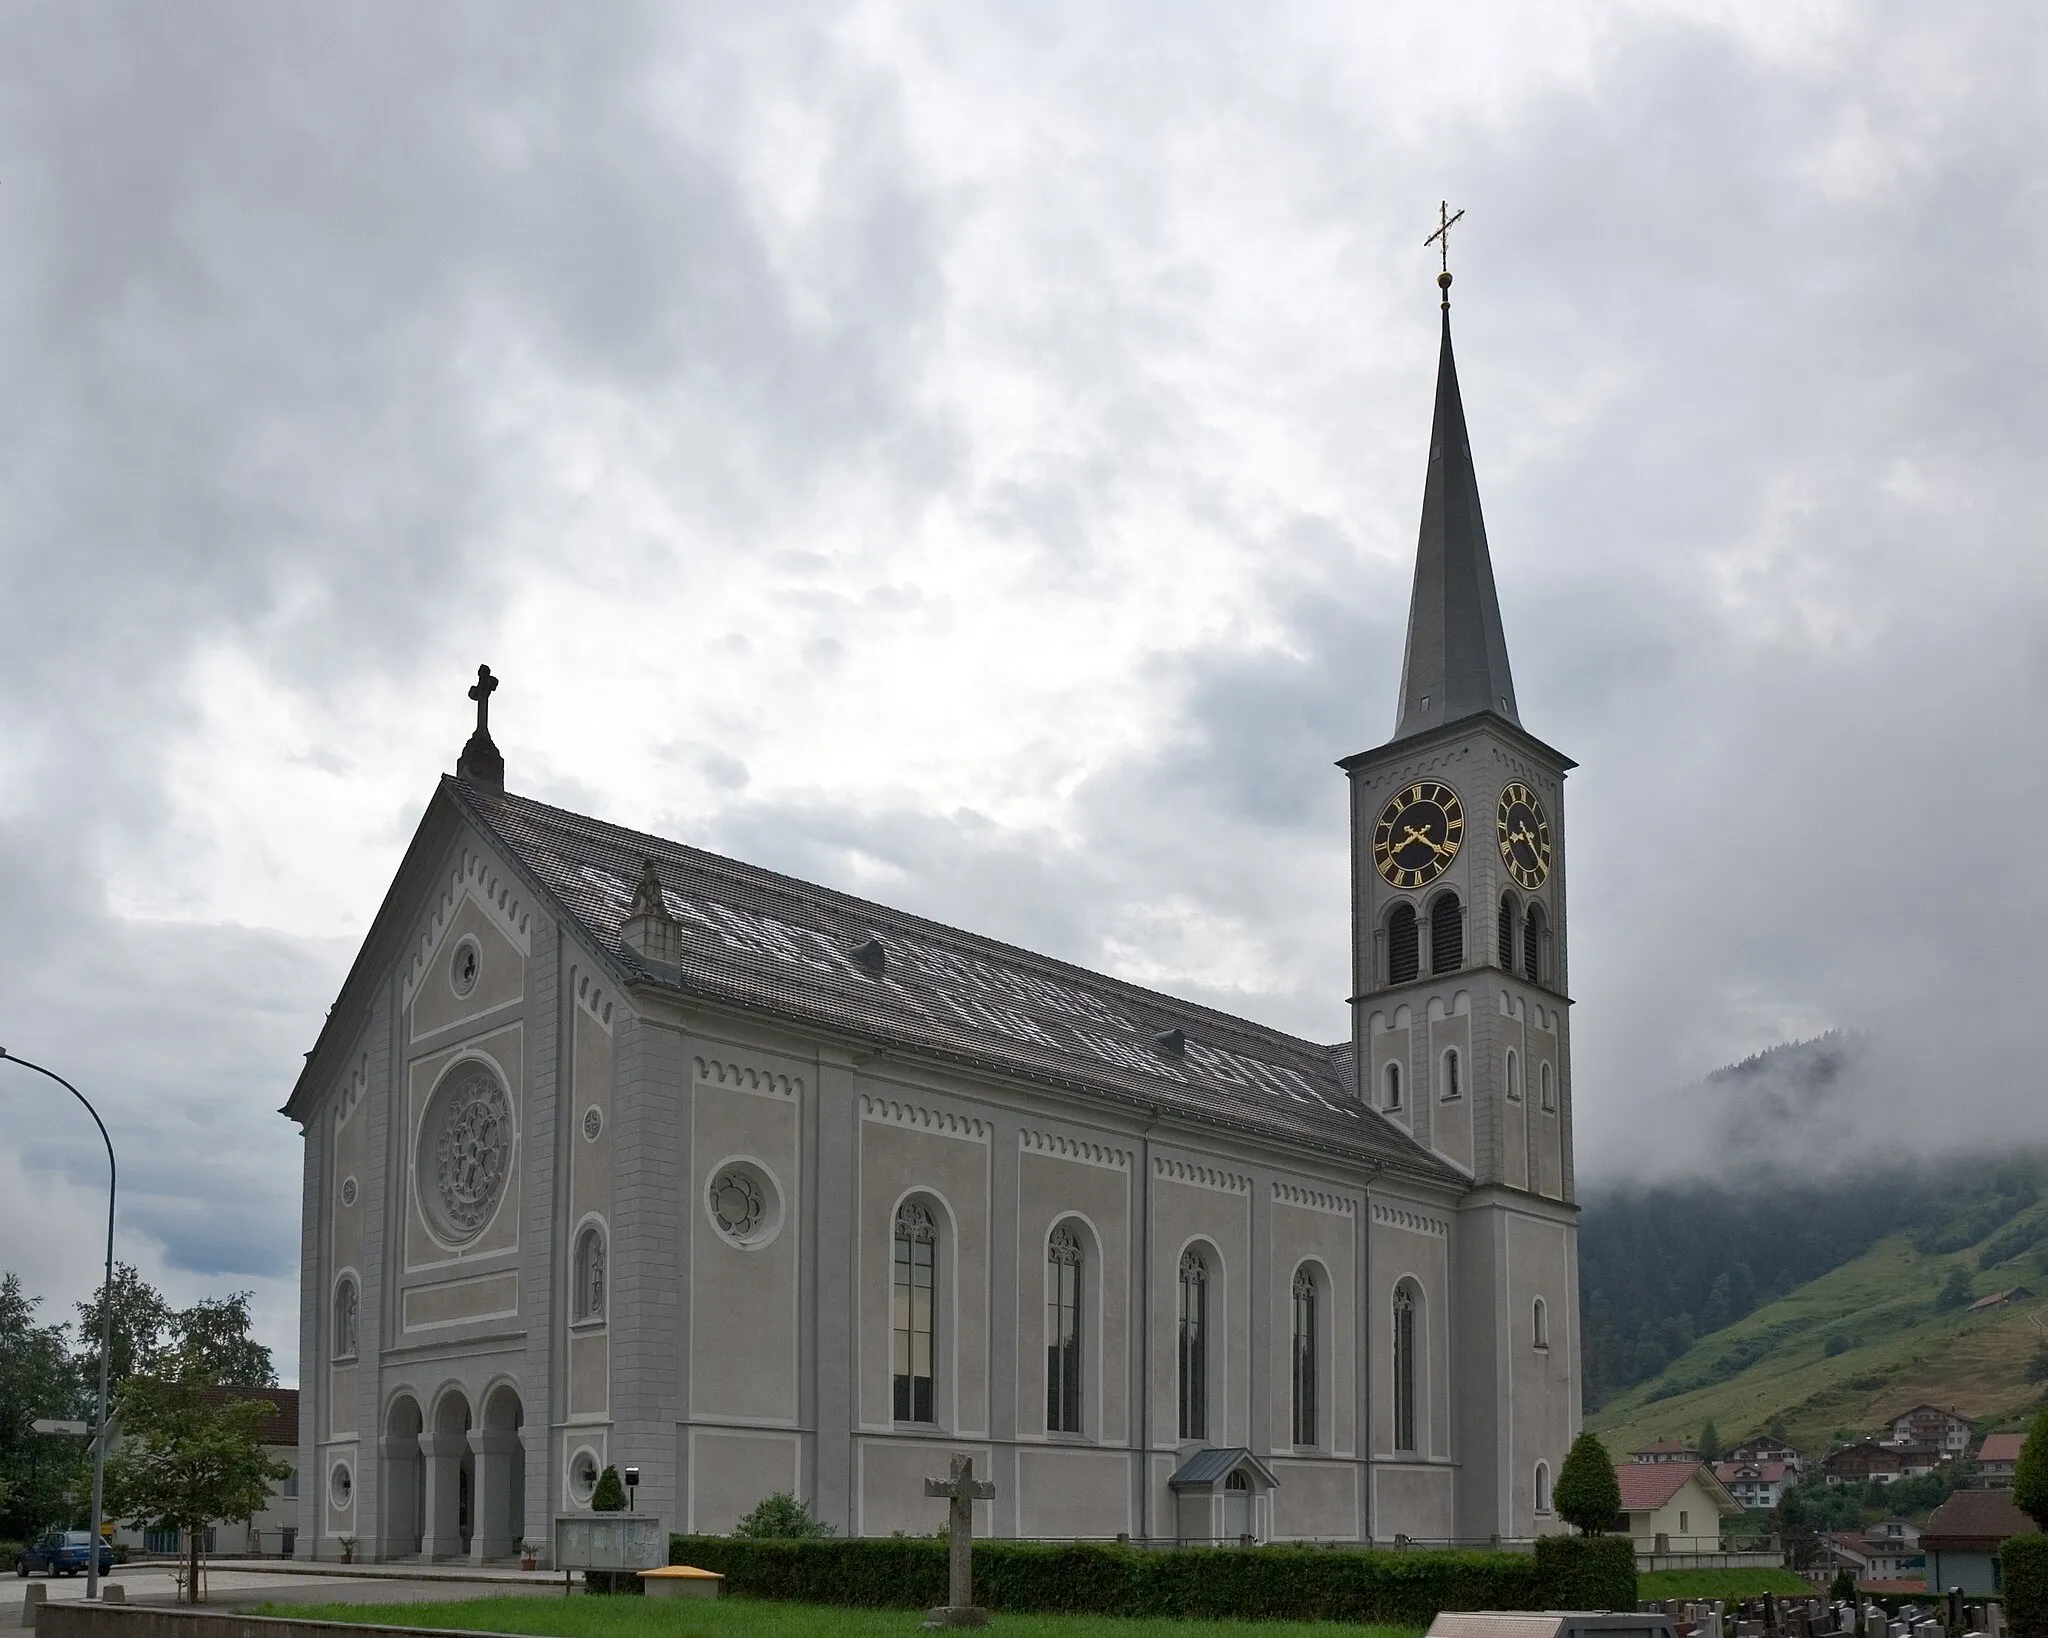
(1587, 1495)
(610, 1494)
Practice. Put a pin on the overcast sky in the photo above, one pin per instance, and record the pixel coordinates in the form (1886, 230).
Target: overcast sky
(971, 455)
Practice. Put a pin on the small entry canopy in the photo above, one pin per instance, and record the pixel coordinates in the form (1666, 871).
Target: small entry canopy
(1209, 1469)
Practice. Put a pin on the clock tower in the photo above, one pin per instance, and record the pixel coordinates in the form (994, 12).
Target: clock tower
(1460, 1012)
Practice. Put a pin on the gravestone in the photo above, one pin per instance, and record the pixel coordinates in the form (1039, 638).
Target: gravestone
(961, 1492)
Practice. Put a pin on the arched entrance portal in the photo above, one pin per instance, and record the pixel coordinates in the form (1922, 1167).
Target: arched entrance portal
(451, 1479)
(403, 1491)
(500, 1477)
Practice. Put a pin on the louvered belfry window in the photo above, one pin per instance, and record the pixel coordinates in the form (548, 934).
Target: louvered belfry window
(1404, 946)
(1446, 935)
(1507, 933)
(1532, 945)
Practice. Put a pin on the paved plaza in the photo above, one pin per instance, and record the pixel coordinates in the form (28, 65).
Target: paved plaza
(239, 1584)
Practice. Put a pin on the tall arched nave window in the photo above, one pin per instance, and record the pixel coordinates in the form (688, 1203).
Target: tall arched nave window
(1307, 1358)
(1194, 1345)
(1404, 1367)
(914, 1312)
(1064, 1267)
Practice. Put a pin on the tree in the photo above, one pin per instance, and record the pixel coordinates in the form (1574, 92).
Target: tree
(212, 1342)
(2030, 1472)
(1587, 1495)
(189, 1454)
(781, 1517)
(39, 1472)
(1955, 1290)
(1842, 1589)
(610, 1494)
(141, 1318)
(1710, 1442)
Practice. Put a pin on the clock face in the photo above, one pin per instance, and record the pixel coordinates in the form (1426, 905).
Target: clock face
(1418, 834)
(1524, 836)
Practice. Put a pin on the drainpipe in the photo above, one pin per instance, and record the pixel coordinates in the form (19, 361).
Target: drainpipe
(1145, 1327)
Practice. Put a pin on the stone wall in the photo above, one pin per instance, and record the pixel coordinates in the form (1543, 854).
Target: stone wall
(83, 1620)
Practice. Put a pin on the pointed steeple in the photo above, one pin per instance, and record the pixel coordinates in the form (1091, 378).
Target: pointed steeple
(1456, 662)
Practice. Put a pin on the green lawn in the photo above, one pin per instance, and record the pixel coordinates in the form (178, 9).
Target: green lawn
(1659, 1585)
(744, 1618)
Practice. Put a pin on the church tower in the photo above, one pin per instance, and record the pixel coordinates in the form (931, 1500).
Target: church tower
(1460, 1009)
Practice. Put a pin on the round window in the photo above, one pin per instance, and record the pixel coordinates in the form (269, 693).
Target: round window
(744, 1204)
(341, 1486)
(348, 1191)
(465, 1152)
(583, 1475)
(466, 966)
(593, 1123)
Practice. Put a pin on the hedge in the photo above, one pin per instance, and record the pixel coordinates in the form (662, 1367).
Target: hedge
(1404, 1588)
(2024, 1563)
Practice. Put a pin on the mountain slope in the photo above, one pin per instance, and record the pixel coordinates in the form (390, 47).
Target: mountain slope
(1895, 1343)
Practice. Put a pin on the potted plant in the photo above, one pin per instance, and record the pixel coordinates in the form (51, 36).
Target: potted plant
(348, 1549)
(529, 1555)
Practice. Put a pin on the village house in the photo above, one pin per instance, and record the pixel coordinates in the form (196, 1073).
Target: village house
(1672, 1506)
(1997, 1457)
(1998, 1299)
(1756, 1484)
(1947, 1432)
(273, 1532)
(1766, 1449)
(1667, 1450)
(1963, 1536)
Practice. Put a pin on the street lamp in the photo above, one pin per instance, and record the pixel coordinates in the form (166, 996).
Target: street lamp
(99, 1444)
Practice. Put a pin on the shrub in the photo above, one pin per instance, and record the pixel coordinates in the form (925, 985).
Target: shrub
(1955, 1290)
(781, 1517)
(1587, 1572)
(610, 1494)
(1836, 1344)
(2030, 1472)
(1404, 1588)
(2037, 1366)
(1587, 1494)
(2024, 1563)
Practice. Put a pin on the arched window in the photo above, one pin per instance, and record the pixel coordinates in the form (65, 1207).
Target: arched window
(1542, 1487)
(1194, 1345)
(1549, 1090)
(1063, 1332)
(1532, 945)
(1539, 1323)
(1404, 1367)
(1446, 934)
(1404, 945)
(345, 1318)
(916, 1273)
(1305, 1357)
(1393, 1078)
(1454, 1078)
(1514, 1076)
(1506, 938)
(590, 1275)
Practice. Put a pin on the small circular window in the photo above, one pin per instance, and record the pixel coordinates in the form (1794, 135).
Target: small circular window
(583, 1475)
(745, 1205)
(593, 1123)
(341, 1487)
(466, 966)
(348, 1191)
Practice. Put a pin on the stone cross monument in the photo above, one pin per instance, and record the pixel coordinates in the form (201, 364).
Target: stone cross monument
(961, 1491)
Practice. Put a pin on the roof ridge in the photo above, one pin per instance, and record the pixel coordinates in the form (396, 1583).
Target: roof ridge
(742, 870)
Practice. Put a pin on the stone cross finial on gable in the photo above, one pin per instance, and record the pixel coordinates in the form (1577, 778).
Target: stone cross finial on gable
(961, 1491)
(480, 762)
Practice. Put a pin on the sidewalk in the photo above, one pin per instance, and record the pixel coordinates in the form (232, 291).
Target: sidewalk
(398, 1571)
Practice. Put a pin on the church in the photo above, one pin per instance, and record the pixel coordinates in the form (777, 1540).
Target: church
(618, 1152)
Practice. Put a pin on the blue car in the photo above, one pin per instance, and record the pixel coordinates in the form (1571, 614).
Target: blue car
(62, 1552)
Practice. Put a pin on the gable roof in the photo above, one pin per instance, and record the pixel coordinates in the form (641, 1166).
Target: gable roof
(1217, 1463)
(1764, 1472)
(281, 1428)
(757, 940)
(1647, 1486)
(1974, 1521)
(1938, 1410)
(2001, 1447)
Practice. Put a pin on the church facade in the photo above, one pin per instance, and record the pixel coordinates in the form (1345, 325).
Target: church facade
(622, 1153)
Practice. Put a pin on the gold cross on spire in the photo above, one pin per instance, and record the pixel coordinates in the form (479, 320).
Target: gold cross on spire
(1445, 217)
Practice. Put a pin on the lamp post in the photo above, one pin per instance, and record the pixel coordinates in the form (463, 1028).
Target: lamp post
(99, 1443)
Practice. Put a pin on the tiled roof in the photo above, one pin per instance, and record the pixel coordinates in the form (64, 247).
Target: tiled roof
(2001, 1447)
(1647, 1486)
(280, 1429)
(1665, 1447)
(1752, 1472)
(1974, 1521)
(758, 940)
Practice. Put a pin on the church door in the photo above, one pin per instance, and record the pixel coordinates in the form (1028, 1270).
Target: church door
(1237, 1508)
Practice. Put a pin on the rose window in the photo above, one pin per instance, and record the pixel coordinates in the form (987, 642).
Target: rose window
(466, 1153)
